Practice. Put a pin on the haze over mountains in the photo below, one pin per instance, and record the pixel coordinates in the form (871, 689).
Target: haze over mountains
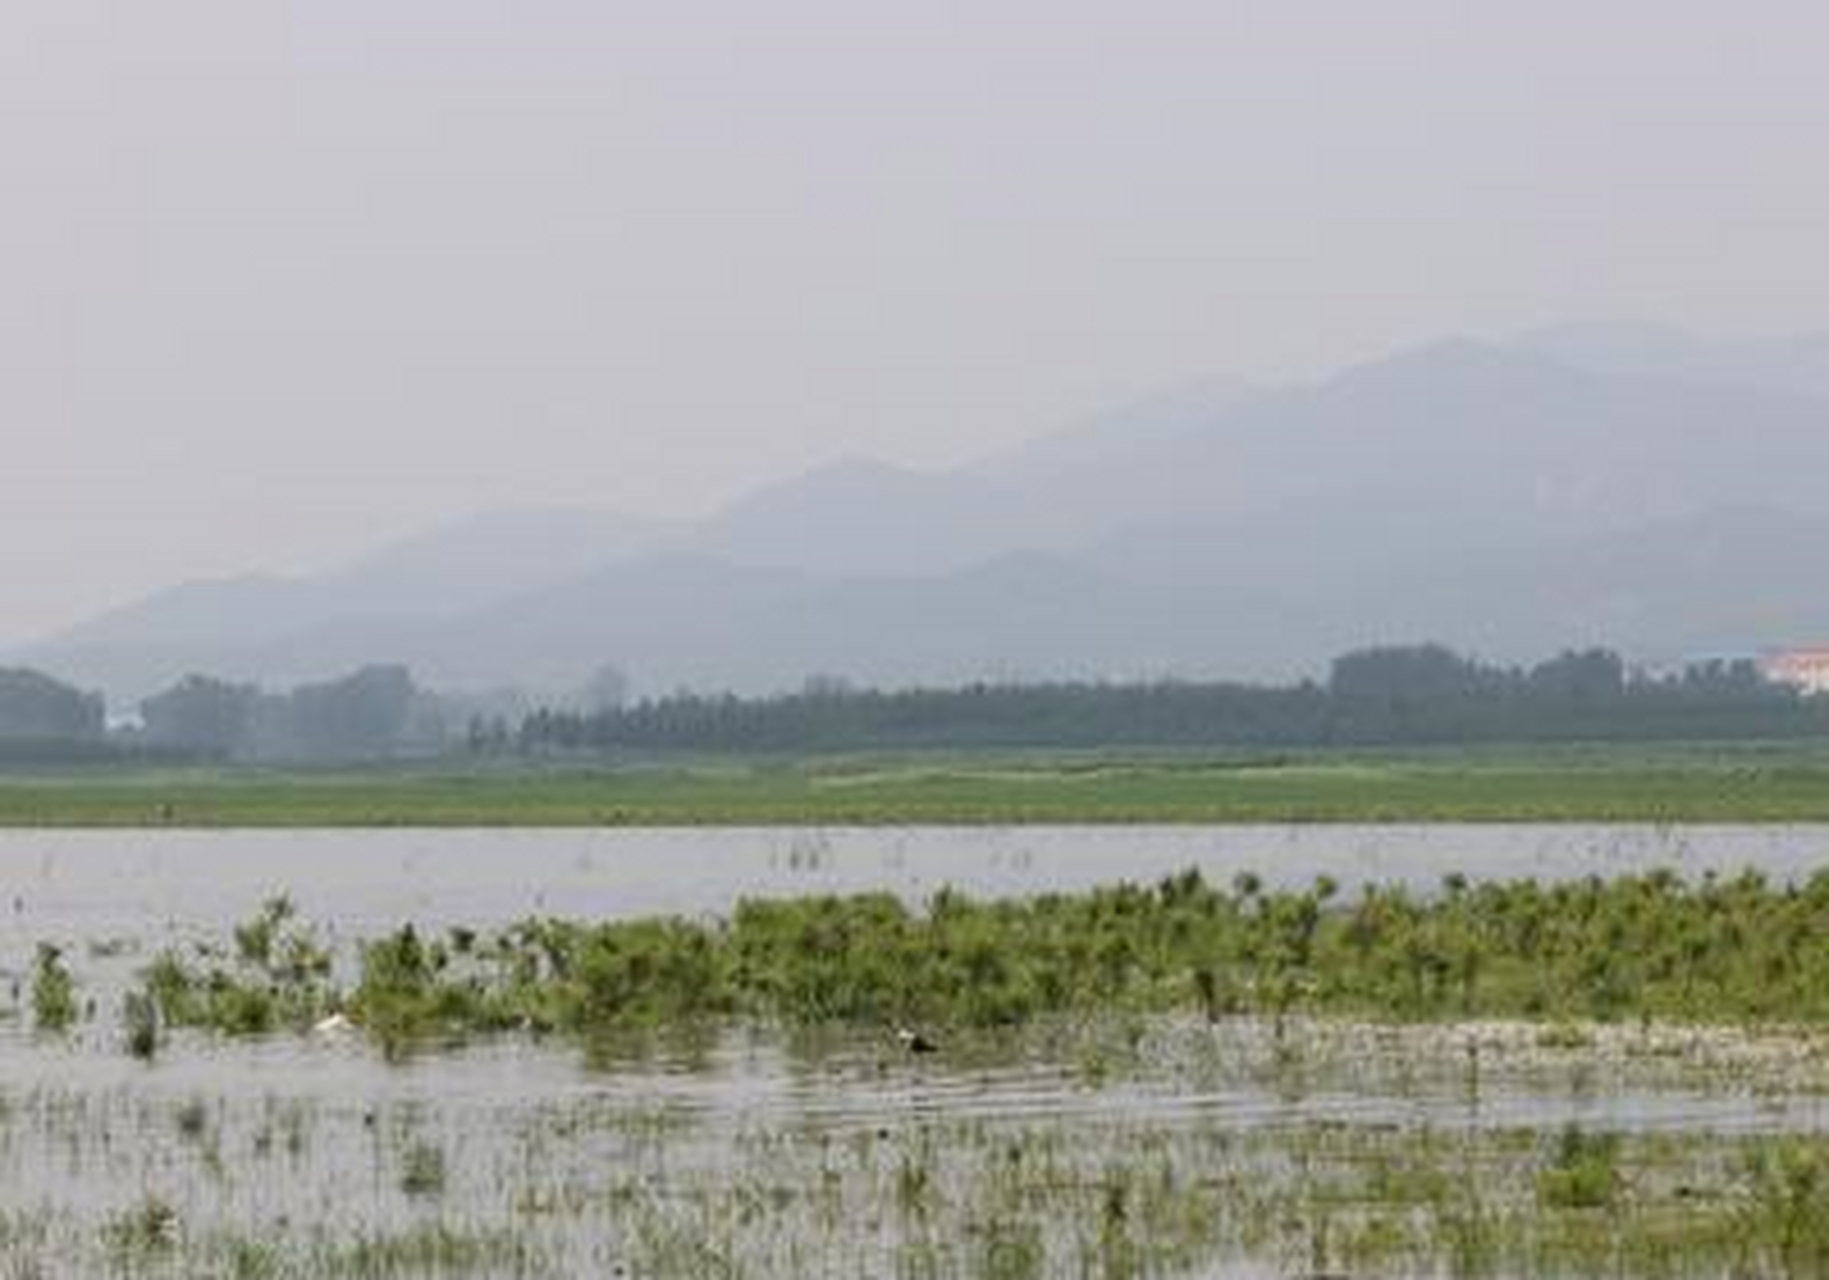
(1631, 486)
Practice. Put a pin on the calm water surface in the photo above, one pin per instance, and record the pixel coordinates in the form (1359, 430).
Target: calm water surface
(100, 883)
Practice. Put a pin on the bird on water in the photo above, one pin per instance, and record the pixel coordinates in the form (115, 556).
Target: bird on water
(914, 1042)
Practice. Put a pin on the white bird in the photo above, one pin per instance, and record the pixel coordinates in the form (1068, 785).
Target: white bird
(335, 1025)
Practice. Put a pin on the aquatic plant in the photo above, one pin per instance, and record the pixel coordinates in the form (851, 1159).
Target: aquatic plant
(1789, 1204)
(1636, 947)
(1565, 956)
(140, 1021)
(278, 975)
(53, 990)
(1584, 1173)
(142, 1233)
(422, 1170)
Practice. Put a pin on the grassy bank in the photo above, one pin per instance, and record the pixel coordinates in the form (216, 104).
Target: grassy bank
(1741, 783)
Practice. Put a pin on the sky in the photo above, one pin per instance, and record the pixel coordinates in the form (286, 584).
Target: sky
(282, 279)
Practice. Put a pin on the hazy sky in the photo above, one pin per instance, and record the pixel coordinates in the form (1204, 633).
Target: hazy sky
(282, 277)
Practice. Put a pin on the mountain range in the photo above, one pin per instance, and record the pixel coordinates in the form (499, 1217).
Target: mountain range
(1632, 486)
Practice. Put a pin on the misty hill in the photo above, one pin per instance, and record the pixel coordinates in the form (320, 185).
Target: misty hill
(708, 624)
(1719, 581)
(1796, 365)
(860, 517)
(1506, 498)
(470, 563)
(1460, 443)
(231, 625)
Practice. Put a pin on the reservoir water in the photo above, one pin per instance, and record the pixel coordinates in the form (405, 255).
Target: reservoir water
(90, 883)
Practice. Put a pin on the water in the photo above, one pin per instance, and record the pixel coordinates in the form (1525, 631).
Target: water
(136, 883)
(792, 1158)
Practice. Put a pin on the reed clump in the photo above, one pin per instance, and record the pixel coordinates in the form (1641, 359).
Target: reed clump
(274, 975)
(1739, 950)
(1734, 950)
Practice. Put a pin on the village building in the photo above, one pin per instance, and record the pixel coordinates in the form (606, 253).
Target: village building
(1804, 669)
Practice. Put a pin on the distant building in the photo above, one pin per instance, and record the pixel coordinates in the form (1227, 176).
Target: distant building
(1804, 669)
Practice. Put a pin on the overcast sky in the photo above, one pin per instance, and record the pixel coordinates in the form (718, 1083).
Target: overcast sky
(279, 278)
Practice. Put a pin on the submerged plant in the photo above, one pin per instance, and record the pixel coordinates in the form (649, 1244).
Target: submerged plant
(140, 1020)
(422, 1170)
(1789, 1209)
(146, 1231)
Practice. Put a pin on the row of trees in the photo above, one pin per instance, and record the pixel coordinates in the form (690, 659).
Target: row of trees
(366, 714)
(45, 719)
(33, 706)
(1397, 695)
(372, 712)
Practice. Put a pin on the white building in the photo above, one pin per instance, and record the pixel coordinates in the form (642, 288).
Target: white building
(1805, 669)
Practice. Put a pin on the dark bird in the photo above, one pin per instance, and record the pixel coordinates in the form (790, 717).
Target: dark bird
(914, 1042)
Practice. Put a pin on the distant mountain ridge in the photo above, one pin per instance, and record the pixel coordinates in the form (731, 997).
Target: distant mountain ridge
(1796, 365)
(1625, 485)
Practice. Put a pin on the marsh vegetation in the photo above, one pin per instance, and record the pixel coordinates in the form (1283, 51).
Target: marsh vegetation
(1739, 950)
(1514, 1078)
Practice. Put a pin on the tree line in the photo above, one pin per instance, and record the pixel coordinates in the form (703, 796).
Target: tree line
(45, 720)
(363, 715)
(370, 712)
(1397, 695)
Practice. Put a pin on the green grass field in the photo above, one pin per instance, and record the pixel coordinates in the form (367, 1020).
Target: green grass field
(1692, 783)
